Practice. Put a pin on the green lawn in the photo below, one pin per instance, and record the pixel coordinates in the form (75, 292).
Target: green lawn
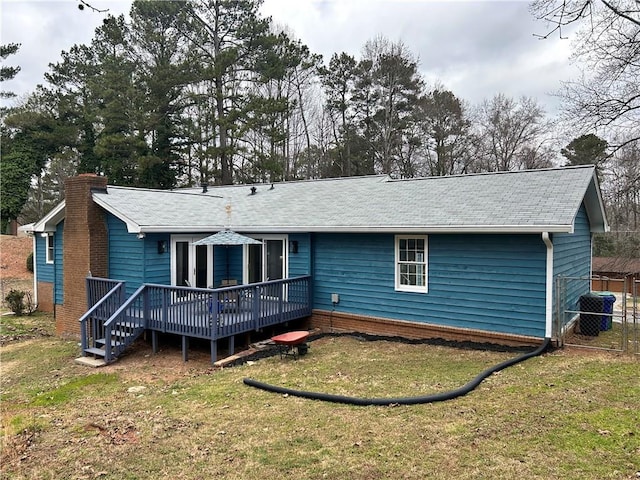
(566, 414)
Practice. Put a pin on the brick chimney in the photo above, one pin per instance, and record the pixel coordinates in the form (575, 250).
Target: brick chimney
(85, 249)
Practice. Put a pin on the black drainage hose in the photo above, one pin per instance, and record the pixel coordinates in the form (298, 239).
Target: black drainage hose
(437, 397)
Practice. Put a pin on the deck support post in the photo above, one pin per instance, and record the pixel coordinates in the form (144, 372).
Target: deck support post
(185, 348)
(154, 341)
(232, 344)
(214, 351)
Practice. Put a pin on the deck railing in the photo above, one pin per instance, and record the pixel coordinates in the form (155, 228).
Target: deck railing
(198, 312)
(103, 303)
(98, 288)
(223, 312)
(126, 324)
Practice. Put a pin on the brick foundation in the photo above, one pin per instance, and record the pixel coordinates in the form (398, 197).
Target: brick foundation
(343, 322)
(85, 249)
(45, 297)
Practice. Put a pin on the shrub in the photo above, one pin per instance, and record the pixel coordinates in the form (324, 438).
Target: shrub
(17, 302)
(29, 306)
(30, 262)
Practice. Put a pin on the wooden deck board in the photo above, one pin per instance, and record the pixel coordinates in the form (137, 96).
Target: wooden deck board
(211, 314)
(200, 323)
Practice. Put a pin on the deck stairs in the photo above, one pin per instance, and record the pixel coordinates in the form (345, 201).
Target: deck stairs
(114, 321)
(121, 336)
(108, 328)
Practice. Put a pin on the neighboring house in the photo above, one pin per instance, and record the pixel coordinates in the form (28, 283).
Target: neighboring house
(13, 228)
(615, 273)
(468, 257)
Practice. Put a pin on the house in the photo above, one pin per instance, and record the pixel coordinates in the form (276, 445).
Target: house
(469, 257)
(616, 274)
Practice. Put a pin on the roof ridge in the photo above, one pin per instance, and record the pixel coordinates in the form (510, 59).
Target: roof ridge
(197, 190)
(157, 190)
(307, 180)
(478, 174)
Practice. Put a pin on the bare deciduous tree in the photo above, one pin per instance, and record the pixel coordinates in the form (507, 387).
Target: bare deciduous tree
(606, 98)
(511, 134)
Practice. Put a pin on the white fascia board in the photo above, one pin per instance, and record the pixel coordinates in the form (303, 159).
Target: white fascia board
(415, 229)
(601, 212)
(28, 228)
(132, 227)
(183, 229)
(537, 229)
(50, 220)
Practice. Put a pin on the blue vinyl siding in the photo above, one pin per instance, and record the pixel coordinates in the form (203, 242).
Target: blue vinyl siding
(220, 257)
(51, 272)
(46, 271)
(234, 254)
(135, 260)
(572, 251)
(300, 263)
(157, 266)
(572, 258)
(126, 255)
(227, 263)
(487, 282)
(58, 264)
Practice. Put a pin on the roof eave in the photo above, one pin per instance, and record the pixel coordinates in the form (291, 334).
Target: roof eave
(479, 229)
(132, 226)
(50, 221)
(28, 228)
(594, 205)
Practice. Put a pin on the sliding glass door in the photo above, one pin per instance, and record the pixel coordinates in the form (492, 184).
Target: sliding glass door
(191, 265)
(267, 261)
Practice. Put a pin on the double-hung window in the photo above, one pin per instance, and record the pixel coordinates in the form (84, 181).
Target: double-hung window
(411, 263)
(49, 248)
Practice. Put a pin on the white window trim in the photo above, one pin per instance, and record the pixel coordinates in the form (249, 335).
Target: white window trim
(50, 252)
(411, 288)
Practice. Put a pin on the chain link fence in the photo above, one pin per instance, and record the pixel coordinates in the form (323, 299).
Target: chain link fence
(635, 312)
(597, 319)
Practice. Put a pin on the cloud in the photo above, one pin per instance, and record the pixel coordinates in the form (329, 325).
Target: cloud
(45, 29)
(475, 48)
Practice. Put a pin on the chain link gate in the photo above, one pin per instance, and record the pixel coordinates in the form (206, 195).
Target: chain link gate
(588, 318)
(635, 313)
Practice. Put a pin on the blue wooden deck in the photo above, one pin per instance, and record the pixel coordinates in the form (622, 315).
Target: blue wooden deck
(111, 323)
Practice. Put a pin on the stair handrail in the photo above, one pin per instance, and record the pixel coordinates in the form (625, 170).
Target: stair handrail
(108, 355)
(84, 339)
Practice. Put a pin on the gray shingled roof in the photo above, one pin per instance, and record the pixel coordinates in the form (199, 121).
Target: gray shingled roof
(525, 201)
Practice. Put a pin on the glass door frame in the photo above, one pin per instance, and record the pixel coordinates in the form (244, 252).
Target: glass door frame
(264, 238)
(192, 258)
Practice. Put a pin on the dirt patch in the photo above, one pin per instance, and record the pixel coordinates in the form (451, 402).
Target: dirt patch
(13, 264)
(18, 447)
(13, 257)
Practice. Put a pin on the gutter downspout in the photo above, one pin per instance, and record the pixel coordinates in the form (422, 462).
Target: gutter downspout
(35, 271)
(549, 286)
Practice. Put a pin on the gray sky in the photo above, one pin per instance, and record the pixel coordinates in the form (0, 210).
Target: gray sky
(476, 49)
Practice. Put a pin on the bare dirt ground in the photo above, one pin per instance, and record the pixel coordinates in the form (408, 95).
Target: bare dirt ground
(13, 264)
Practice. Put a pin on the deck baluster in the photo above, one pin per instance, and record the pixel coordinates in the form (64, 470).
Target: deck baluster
(195, 313)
